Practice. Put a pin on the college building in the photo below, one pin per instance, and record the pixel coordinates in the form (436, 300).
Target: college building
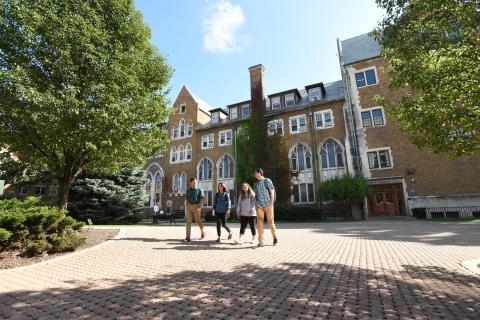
(329, 129)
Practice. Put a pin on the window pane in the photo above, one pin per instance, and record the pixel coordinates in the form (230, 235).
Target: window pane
(296, 195)
(331, 154)
(301, 157)
(289, 100)
(294, 164)
(370, 75)
(366, 119)
(302, 123)
(311, 197)
(372, 160)
(384, 159)
(293, 125)
(319, 120)
(323, 156)
(328, 119)
(360, 78)
(308, 161)
(377, 117)
(303, 192)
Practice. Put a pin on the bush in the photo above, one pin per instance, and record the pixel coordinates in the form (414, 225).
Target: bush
(296, 213)
(36, 228)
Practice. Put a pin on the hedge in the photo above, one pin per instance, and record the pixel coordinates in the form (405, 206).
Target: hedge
(34, 228)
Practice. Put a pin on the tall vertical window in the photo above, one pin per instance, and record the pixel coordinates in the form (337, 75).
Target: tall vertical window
(366, 78)
(233, 113)
(183, 183)
(300, 158)
(314, 94)
(379, 159)
(148, 190)
(332, 159)
(245, 110)
(215, 117)
(181, 154)
(183, 108)
(289, 100)
(175, 132)
(226, 167)
(276, 103)
(176, 183)
(189, 128)
(158, 187)
(188, 149)
(173, 154)
(204, 172)
(182, 128)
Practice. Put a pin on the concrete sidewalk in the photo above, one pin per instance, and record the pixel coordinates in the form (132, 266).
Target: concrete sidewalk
(358, 270)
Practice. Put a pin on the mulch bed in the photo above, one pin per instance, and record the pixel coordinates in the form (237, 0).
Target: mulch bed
(11, 259)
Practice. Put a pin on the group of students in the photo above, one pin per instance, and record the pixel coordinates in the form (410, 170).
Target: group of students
(252, 203)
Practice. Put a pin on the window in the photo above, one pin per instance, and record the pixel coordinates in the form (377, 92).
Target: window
(303, 193)
(204, 172)
(245, 110)
(148, 190)
(225, 137)
(189, 128)
(183, 183)
(275, 126)
(40, 190)
(226, 167)
(300, 158)
(208, 200)
(181, 154)
(173, 155)
(324, 119)
(183, 108)
(289, 100)
(366, 78)
(207, 141)
(233, 113)
(298, 124)
(276, 103)
(23, 190)
(53, 190)
(379, 159)
(188, 149)
(158, 187)
(176, 183)
(215, 117)
(373, 118)
(331, 159)
(175, 132)
(314, 94)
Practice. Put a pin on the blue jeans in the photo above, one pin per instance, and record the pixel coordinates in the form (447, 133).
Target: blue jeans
(221, 219)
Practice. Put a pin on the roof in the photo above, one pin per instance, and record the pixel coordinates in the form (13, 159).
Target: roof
(333, 92)
(360, 48)
(202, 105)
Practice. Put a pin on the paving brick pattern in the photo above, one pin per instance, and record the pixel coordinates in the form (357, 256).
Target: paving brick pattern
(363, 270)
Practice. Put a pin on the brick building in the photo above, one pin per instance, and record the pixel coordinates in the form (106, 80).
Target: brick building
(329, 129)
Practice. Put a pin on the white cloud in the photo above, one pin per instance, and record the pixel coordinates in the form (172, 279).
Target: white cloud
(220, 25)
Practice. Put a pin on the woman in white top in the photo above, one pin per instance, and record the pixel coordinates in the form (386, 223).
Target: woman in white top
(246, 211)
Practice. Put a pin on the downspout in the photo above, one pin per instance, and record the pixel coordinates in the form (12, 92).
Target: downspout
(315, 155)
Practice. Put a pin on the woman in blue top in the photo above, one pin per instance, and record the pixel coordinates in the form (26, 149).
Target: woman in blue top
(221, 209)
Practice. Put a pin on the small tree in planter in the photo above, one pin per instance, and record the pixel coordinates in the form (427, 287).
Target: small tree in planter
(344, 192)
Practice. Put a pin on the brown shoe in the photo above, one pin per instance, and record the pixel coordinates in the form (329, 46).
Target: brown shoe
(203, 236)
(230, 235)
(187, 239)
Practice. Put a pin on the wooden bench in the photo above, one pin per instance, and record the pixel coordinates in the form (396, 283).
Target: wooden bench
(170, 216)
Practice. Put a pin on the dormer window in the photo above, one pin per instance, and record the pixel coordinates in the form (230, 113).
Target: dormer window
(245, 110)
(215, 117)
(314, 94)
(290, 100)
(276, 103)
(233, 113)
(183, 108)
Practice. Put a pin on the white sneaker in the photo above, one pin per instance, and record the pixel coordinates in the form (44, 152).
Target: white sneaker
(254, 242)
(239, 241)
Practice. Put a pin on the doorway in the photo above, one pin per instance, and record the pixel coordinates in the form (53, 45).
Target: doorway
(387, 200)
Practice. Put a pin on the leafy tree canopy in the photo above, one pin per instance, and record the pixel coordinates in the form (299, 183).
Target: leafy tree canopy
(433, 50)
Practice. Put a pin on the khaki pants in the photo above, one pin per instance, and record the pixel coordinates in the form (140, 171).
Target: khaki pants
(261, 212)
(192, 211)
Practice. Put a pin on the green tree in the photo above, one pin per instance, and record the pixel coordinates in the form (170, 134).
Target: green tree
(81, 87)
(433, 50)
(108, 198)
(344, 192)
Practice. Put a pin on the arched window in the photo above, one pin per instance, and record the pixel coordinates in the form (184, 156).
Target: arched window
(176, 183)
(183, 182)
(175, 132)
(173, 154)
(332, 159)
(148, 190)
(331, 155)
(158, 187)
(300, 158)
(181, 154)
(188, 149)
(189, 128)
(226, 167)
(182, 128)
(205, 170)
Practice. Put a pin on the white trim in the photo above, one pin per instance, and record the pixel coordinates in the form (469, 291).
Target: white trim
(212, 135)
(294, 102)
(154, 164)
(171, 153)
(198, 165)
(218, 167)
(310, 94)
(279, 103)
(306, 146)
(217, 118)
(371, 115)
(241, 110)
(323, 112)
(230, 113)
(377, 150)
(275, 121)
(220, 144)
(297, 118)
(180, 108)
(374, 68)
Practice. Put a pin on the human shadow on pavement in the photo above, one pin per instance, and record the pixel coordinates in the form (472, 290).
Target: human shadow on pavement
(290, 290)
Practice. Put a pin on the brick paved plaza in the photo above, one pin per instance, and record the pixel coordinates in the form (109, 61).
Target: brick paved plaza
(358, 270)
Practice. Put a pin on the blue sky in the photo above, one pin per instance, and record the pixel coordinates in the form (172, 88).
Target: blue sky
(211, 43)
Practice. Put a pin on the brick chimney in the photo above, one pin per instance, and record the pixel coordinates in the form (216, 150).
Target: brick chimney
(257, 94)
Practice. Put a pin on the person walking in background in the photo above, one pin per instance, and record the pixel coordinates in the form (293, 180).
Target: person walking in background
(246, 212)
(193, 207)
(265, 197)
(221, 209)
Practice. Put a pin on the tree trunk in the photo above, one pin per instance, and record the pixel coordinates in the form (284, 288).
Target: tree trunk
(64, 190)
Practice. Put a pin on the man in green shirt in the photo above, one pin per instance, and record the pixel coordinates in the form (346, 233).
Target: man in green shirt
(193, 207)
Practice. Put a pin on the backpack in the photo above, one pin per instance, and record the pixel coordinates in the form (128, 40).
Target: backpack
(266, 187)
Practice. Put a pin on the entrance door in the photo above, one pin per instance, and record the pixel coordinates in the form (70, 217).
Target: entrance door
(387, 200)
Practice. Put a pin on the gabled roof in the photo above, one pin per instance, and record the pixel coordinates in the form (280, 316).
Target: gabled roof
(202, 105)
(317, 85)
(360, 48)
(295, 91)
(219, 110)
